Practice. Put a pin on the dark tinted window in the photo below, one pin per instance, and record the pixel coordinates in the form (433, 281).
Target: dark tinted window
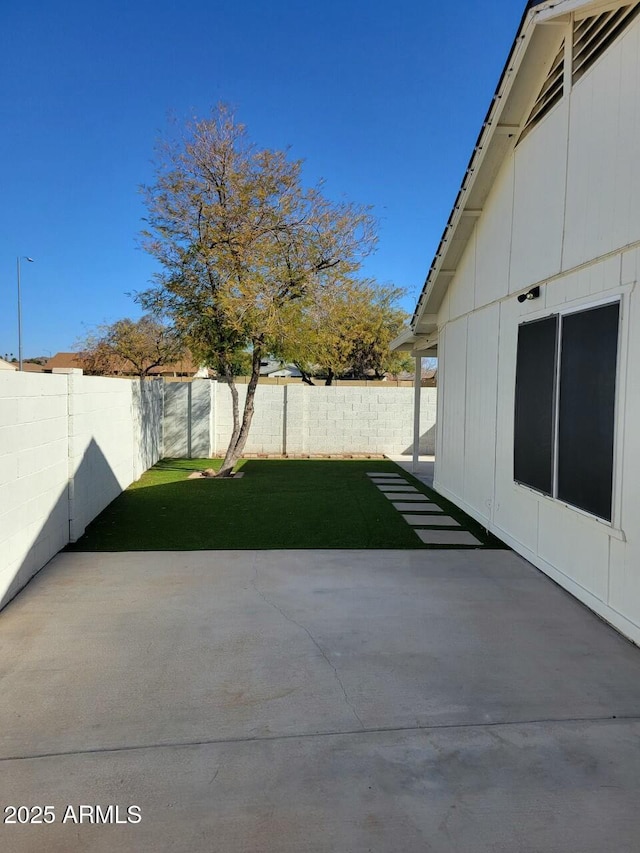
(535, 410)
(587, 409)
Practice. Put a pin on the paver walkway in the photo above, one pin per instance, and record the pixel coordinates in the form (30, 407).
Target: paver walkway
(432, 525)
(317, 702)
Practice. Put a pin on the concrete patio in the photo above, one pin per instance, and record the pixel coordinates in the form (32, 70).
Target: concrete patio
(317, 701)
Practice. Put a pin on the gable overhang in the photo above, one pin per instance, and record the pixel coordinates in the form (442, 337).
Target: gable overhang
(538, 39)
(418, 345)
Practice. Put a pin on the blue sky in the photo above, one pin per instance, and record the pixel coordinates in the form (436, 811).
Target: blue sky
(383, 100)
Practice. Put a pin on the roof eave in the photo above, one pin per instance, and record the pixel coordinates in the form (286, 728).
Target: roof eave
(416, 343)
(498, 136)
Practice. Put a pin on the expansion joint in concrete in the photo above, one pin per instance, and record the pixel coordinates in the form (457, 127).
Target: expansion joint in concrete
(376, 730)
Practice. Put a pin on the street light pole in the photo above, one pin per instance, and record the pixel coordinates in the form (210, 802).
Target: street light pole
(20, 312)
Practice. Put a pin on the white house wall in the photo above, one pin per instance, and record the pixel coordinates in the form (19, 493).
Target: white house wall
(564, 213)
(450, 421)
(493, 248)
(515, 510)
(624, 567)
(480, 410)
(538, 208)
(462, 289)
(603, 193)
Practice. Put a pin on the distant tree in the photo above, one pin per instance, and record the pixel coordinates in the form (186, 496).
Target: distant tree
(400, 362)
(381, 321)
(244, 249)
(319, 344)
(428, 365)
(95, 355)
(136, 346)
(347, 332)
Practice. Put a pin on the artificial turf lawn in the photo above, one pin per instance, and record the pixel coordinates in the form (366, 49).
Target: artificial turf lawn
(277, 504)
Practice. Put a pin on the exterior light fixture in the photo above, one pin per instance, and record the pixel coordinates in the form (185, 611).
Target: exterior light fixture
(534, 293)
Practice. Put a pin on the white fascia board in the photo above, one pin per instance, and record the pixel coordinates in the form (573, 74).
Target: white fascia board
(404, 342)
(409, 341)
(490, 129)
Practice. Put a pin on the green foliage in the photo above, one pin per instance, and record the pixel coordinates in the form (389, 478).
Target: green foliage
(243, 246)
(347, 331)
(234, 362)
(245, 249)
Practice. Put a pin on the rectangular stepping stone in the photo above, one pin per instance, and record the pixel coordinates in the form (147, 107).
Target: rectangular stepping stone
(417, 506)
(404, 496)
(431, 521)
(382, 474)
(447, 537)
(400, 487)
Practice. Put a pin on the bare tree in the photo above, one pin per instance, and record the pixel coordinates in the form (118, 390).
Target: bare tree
(129, 346)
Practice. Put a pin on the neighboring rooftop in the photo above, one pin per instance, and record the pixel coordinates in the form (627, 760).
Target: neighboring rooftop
(185, 367)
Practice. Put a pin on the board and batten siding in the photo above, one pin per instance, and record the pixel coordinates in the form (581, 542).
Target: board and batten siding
(563, 213)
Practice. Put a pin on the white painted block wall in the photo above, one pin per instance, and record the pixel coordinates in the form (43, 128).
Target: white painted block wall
(267, 428)
(34, 474)
(187, 419)
(297, 419)
(147, 413)
(100, 446)
(69, 444)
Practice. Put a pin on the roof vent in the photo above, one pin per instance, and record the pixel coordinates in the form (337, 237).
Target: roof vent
(592, 36)
(550, 95)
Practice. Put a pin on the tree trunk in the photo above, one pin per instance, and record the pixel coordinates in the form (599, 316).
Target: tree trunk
(330, 376)
(305, 376)
(228, 462)
(239, 440)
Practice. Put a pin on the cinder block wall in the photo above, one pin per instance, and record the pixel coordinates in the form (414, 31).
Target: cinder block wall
(187, 419)
(300, 419)
(359, 420)
(34, 474)
(267, 427)
(69, 444)
(100, 446)
(148, 421)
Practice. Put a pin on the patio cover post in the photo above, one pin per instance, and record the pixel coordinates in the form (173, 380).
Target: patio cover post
(417, 385)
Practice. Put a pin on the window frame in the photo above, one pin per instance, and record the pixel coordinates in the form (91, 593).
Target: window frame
(561, 311)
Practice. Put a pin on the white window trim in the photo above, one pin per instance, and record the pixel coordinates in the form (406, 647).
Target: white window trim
(619, 297)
